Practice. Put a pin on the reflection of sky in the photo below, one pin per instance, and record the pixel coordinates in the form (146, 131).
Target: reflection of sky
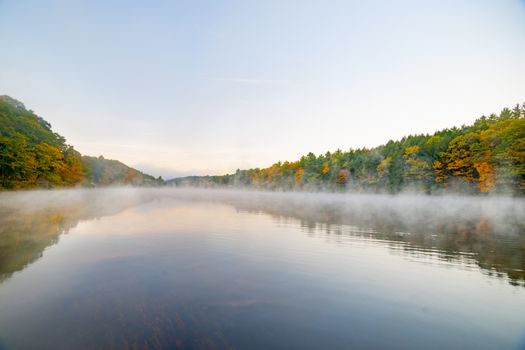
(180, 87)
(213, 266)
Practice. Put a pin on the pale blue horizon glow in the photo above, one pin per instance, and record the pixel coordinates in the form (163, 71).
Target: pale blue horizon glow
(206, 87)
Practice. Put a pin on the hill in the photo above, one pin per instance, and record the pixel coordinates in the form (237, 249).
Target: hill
(99, 171)
(487, 156)
(32, 155)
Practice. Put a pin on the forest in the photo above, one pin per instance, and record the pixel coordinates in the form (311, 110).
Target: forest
(33, 156)
(485, 157)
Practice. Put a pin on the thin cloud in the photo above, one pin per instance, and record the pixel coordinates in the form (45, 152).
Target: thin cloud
(254, 81)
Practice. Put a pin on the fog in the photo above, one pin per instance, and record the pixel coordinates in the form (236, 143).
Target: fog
(490, 230)
(501, 215)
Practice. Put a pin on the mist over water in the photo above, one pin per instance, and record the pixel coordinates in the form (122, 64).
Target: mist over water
(196, 268)
(503, 214)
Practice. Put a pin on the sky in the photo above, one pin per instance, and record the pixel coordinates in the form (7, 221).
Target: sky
(207, 86)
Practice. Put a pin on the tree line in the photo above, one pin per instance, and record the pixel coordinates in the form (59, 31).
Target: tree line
(32, 155)
(487, 156)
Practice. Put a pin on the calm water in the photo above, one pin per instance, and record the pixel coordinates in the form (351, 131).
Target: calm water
(227, 270)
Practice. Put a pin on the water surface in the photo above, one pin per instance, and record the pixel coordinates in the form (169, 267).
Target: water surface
(197, 269)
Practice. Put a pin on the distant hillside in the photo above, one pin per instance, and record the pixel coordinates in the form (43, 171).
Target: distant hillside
(487, 156)
(32, 155)
(105, 172)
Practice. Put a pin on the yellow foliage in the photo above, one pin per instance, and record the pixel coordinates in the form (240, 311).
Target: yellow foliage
(439, 169)
(326, 168)
(382, 167)
(411, 150)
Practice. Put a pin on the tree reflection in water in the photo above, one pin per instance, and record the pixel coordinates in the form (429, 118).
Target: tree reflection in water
(488, 231)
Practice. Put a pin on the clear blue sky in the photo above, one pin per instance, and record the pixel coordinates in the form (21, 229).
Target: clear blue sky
(182, 87)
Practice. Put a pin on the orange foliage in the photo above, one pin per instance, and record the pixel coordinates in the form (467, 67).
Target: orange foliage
(299, 175)
(342, 177)
(486, 176)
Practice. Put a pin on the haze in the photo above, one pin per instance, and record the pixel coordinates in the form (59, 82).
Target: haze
(206, 87)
